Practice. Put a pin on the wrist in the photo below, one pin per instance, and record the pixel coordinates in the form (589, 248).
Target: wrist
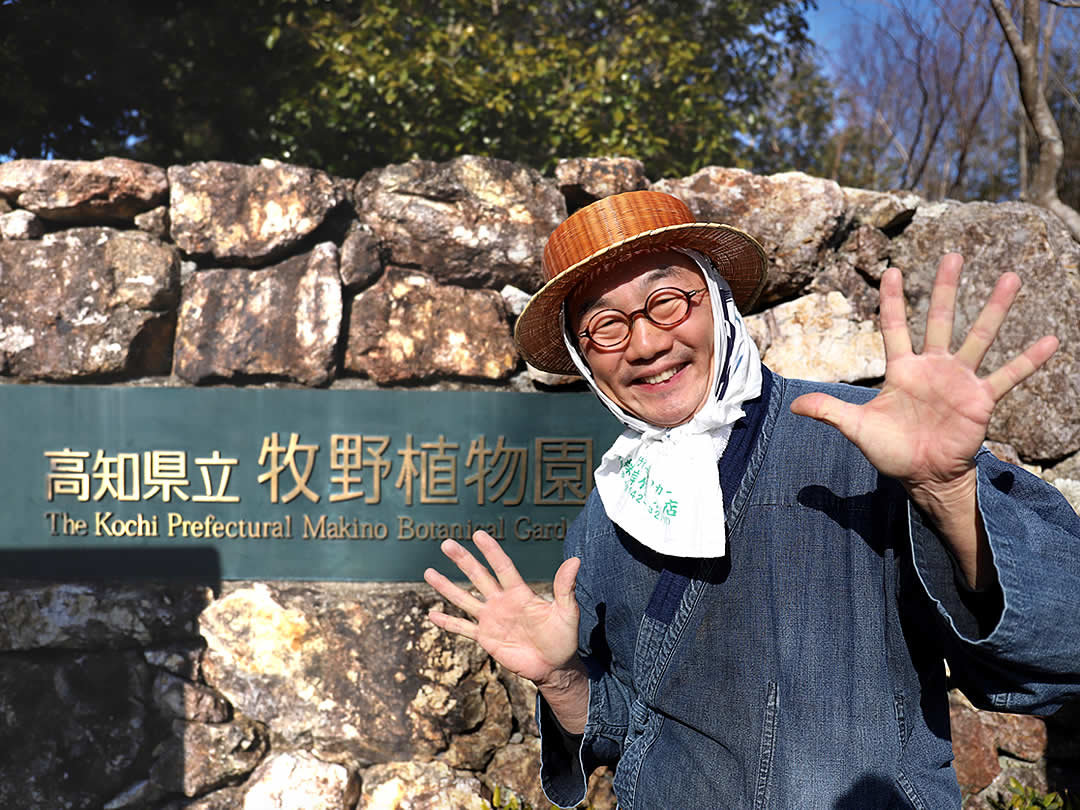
(563, 679)
(952, 507)
(566, 691)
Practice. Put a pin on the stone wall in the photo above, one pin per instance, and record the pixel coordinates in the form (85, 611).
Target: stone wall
(318, 695)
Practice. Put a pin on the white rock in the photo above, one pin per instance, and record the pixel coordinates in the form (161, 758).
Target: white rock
(818, 337)
(20, 225)
(300, 781)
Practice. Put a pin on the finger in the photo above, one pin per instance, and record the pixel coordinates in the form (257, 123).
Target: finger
(894, 329)
(478, 575)
(565, 583)
(844, 416)
(498, 559)
(939, 319)
(1021, 367)
(454, 594)
(985, 329)
(455, 624)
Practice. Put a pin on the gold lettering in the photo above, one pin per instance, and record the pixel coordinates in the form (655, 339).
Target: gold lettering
(101, 525)
(314, 529)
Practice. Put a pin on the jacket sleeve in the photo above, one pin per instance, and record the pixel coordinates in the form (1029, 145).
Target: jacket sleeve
(1015, 648)
(566, 760)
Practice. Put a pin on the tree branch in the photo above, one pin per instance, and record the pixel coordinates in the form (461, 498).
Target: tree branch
(1043, 191)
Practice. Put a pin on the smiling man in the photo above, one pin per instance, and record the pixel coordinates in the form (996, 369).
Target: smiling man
(756, 606)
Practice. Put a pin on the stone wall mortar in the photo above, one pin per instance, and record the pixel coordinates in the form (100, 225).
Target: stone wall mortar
(341, 695)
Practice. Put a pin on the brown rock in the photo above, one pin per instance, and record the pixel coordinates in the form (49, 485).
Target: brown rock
(979, 737)
(279, 322)
(867, 250)
(300, 781)
(477, 222)
(473, 750)
(75, 728)
(21, 225)
(586, 180)
(97, 616)
(361, 260)
(184, 660)
(792, 214)
(407, 327)
(840, 275)
(87, 302)
(522, 695)
(1066, 468)
(182, 699)
(600, 795)
(997, 794)
(229, 798)
(199, 758)
(1034, 243)
(88, 192)
(356, 674)
(420, 786)
(515, 772)
(155, 222)
(884, 210)
(248, 214)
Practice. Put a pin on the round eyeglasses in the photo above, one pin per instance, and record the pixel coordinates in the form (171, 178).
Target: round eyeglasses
(665, 307)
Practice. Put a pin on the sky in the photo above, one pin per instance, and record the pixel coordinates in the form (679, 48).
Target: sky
(829, 25)
(828, 21)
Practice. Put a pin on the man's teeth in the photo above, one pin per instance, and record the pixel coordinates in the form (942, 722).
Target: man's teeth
(661, 377)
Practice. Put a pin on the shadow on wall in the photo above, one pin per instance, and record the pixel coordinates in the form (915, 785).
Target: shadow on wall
(99, 652)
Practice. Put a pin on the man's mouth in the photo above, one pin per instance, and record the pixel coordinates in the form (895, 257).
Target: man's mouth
(663, 376)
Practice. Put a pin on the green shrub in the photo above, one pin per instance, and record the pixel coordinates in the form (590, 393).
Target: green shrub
(1028, 798)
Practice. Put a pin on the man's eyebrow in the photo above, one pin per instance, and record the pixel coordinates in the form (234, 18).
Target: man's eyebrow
(645, 279)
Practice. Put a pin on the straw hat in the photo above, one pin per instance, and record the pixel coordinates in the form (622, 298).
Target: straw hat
(599, 236)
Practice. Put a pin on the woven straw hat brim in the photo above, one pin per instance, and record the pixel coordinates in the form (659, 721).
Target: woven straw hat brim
(736, 254)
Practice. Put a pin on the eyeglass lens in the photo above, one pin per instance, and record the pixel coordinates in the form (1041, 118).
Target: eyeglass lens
(667, 306)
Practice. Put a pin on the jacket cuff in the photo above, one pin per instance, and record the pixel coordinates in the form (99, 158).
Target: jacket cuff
(562, 772)
(973, 615)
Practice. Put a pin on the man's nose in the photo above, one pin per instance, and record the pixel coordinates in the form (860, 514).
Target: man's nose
(646, 339)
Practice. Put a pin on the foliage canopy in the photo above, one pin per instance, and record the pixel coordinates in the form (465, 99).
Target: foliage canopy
(348, 86)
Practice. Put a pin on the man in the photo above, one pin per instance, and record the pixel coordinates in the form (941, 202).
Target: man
(755, 605)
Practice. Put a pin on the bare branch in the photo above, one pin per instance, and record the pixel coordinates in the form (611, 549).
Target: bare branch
(1050, 148)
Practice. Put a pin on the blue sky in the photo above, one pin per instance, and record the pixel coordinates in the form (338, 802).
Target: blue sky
(828, 21)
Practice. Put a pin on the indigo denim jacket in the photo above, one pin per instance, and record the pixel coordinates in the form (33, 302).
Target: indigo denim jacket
(805, 669)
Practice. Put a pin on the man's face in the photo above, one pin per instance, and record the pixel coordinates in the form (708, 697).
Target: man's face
(662, 374)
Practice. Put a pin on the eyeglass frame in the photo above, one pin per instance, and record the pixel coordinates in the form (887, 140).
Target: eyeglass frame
(643, 311)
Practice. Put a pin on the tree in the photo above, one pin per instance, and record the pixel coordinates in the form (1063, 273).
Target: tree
(1025, 46)
(793, 130)
(677, 84)
(919, 84)
(166, 83)
(348, 85)
(928, 102)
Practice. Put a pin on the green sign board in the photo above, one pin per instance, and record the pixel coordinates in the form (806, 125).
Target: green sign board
(288, 484)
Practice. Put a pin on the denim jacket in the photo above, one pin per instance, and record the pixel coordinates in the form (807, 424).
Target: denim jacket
(805, 669)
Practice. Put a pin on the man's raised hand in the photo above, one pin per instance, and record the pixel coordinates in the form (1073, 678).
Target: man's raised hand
(932, 413)
(526, 633)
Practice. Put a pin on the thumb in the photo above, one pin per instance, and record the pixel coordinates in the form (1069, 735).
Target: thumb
(565, 583)
(843, 416)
